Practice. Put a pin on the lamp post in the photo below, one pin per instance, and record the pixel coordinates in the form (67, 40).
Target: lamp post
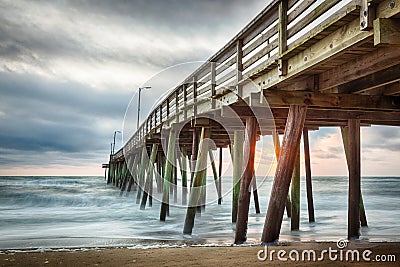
(138, 110)
(113, 147)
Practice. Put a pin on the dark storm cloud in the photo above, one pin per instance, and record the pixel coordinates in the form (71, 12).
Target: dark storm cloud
(47, 116)
(37, 96)
(25, 38)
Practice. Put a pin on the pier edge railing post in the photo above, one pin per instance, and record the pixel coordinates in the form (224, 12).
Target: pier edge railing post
(282, 36)
(280, 188)
(246, 181)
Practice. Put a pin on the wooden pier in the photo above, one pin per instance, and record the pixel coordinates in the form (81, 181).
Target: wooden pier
(298, 66)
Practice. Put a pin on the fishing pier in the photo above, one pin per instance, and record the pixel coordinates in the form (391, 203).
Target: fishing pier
(298, 66)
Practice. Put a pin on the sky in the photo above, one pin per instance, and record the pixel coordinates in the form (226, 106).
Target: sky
(68, 70)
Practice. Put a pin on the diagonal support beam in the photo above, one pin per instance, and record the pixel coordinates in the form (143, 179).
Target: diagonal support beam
(283, 174)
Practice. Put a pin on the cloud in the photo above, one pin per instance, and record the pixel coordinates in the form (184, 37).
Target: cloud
(68, 68)
(119, 43)
(41, 117)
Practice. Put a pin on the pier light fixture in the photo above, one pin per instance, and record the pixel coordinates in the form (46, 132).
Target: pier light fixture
(138, 110)
(113, 147)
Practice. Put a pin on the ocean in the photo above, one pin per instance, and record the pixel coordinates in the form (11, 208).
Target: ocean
(65, 212)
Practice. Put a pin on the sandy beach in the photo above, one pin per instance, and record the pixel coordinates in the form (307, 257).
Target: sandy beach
(388, 254)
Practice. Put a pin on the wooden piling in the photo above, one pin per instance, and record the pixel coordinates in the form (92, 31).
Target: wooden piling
(354, 179)
(184, 176)
(110, 166)
(237, 154)
(195, 192)
(110, 170)
(123, 171)
(116, 172)
(204, 188)
(345, 136)
(277, 145)
(255, 195)
(295, 194)
(363, 217)
(246, 180)
(310, 200)
(133, 172)
(126, 175)
(351, 143)
(159, 173)
(195, 149)
(214, 169)
(175, 180)
(220, 177)
(290, 145)
(142, 173)
(149, 178)
(168, 174)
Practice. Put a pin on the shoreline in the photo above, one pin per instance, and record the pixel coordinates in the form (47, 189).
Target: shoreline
(207, 255)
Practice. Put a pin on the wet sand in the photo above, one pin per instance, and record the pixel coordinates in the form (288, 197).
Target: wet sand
(210, 256)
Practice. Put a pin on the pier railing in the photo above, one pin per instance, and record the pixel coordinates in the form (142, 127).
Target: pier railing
(281, 30)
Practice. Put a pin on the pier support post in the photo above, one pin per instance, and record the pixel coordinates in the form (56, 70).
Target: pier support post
(159, 173)
(183, 166)
(126, 175)
(310, 200)
(354, 179)
(116, 173)
(246, 181)
(142, 173)
(196, 189)
(295, 194)
(363, 217)
(168, 174)
(255, 194)
(277, 145)
(175, 179)
(280, 188)
(149, 178)
(110, 167)
(214, 169)
(132, 174)
(195, 149)
(351, 143)
(237, 154)
(220, 177)
(203, 189)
